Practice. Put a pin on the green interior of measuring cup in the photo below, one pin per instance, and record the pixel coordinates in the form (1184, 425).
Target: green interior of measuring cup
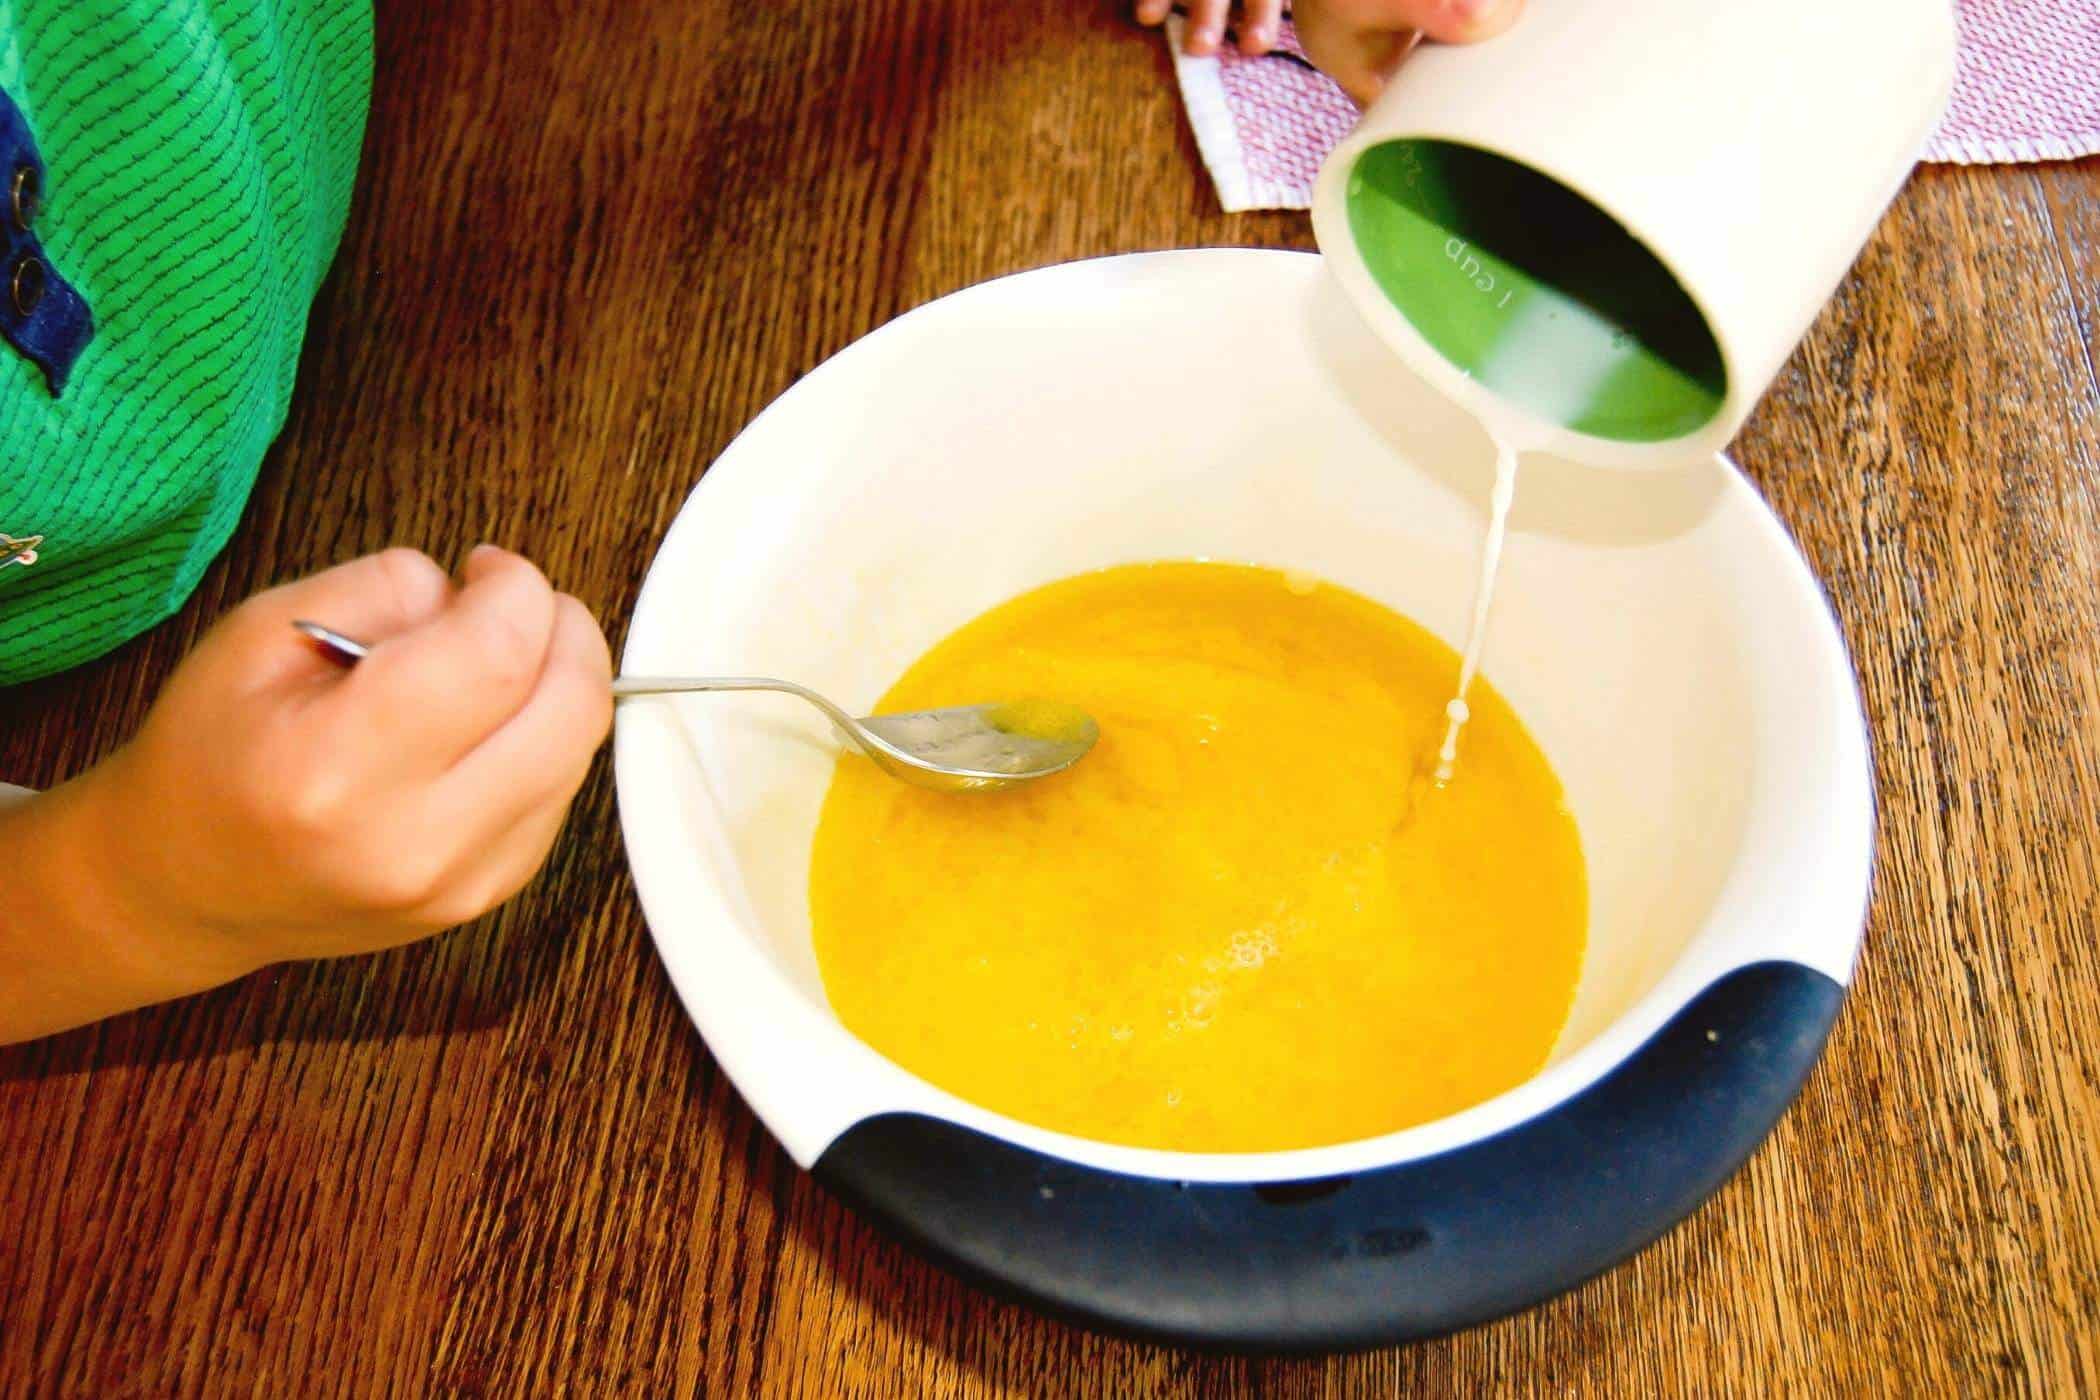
(1535, 292)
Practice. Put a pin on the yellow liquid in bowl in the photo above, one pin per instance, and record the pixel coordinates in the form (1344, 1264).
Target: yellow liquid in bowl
(1246, 921)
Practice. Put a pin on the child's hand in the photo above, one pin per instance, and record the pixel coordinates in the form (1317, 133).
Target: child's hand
(296, 808)
(1356, 42)
(277, 805)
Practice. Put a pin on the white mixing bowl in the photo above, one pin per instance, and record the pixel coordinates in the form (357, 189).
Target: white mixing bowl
(1657, 632)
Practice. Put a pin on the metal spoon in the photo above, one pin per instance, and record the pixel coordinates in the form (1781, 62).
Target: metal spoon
(966, 748)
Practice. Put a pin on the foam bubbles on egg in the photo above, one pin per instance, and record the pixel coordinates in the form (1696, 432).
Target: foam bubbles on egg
(1250, 948)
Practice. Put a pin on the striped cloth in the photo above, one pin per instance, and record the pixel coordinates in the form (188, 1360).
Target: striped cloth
(199, 157)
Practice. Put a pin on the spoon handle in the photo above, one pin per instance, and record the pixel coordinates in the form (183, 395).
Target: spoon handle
(347, 650)
(624, 687)
(350, 651)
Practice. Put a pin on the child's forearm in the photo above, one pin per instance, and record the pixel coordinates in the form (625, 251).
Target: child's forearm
(76, 944)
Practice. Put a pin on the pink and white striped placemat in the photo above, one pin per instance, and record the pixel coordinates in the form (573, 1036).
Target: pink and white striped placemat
(2027, 89)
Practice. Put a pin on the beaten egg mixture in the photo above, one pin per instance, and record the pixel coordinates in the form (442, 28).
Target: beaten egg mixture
(1248, 920)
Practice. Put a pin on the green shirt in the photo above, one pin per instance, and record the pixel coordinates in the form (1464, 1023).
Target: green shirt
(199, 157)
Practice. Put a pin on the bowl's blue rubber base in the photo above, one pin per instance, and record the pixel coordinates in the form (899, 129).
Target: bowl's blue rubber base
(1384, 1256)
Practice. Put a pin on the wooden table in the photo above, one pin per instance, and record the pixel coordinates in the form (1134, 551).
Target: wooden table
(594, 239)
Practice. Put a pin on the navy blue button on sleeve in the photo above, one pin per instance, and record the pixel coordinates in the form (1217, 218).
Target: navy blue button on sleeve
(42, 315)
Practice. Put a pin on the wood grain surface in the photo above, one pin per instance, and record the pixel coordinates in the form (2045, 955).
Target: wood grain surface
(592, 239)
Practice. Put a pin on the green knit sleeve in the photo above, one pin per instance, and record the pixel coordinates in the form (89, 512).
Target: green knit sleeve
(199, 157)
